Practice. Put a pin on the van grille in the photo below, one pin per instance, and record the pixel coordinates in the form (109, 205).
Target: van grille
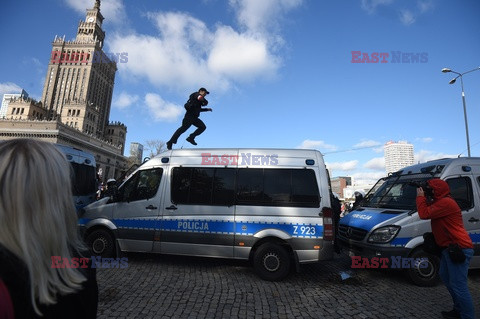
(353, 233)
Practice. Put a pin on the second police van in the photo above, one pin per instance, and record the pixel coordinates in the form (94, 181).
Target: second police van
(269, 206)
(387, 224)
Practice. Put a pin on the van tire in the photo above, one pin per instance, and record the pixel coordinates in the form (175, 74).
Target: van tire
(271, 262)
(101, 243)
(425, 277)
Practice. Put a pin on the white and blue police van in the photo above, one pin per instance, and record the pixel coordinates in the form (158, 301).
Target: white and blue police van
(269, 206)
(84, 178)
(387, 224)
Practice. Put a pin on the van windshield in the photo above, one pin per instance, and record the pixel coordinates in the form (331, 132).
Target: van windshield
(395, 192)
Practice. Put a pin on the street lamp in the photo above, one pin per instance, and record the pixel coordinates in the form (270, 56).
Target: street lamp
(446, 70)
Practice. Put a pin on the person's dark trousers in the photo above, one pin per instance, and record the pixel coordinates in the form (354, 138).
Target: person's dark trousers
(186, 123)
(454, 276)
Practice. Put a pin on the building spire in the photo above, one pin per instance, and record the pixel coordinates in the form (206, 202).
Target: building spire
(97, 4)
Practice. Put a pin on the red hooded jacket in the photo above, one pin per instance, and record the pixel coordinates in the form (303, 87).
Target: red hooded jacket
(445, 215)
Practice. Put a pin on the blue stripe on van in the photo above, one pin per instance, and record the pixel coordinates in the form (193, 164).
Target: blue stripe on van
(475, 238)
(400, 241)
(216, 226)
(365, 219)
(135, 223)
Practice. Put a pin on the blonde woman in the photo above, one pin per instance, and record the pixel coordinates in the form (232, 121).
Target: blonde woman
(38, 225)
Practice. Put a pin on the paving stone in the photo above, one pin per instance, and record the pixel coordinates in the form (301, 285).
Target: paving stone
(156, 286)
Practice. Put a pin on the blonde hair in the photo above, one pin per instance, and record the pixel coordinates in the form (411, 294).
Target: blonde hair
(37, 216)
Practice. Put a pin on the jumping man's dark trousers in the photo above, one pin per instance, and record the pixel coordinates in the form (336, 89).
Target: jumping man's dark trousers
(186, 123)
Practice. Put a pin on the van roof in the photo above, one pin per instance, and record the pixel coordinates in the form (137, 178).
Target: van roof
(211, 154)
(431, 165)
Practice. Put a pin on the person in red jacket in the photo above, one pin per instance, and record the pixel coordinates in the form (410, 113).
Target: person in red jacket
(447, 228)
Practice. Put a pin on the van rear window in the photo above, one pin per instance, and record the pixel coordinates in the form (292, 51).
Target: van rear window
(277, 187)
(245, 186)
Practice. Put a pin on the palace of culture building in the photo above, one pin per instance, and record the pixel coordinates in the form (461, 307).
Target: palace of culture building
(75, 105)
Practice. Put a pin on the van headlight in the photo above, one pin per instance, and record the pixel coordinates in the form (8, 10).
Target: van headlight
(384, 234)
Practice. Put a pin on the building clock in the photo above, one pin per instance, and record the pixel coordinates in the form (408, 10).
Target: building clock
(91, 19)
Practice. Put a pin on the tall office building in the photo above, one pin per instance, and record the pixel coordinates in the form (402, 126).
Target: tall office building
(76, 99)
(136, 152)
(398, 155)
(80, 78)
(7, 97)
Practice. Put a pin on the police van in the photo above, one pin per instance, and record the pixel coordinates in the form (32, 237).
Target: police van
(387, 224)
(269, 206)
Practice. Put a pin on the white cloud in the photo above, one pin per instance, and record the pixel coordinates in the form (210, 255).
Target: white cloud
(124, 100)
(407, 17)
(377, 163)
(425, 6)
(371, 5)
(367, 178)
(367, 144)
(112, 10)
(342, 166)
(161, 109)
(186, 53)
(424, 139)
(258, 15)
(9, 87)
(241, 56)
(311, 144)
(424, 156)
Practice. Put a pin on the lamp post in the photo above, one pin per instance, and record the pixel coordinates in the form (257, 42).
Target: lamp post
(460, 75)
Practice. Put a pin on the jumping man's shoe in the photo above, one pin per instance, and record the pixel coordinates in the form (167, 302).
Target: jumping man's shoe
(452, 314)
(191, 140)
(169, 145)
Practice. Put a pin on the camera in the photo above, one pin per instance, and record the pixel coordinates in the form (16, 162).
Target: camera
(423, 185)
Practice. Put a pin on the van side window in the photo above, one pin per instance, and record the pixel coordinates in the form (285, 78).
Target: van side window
(461, 191)
(277, 187)
(203, 186)
(143, 185)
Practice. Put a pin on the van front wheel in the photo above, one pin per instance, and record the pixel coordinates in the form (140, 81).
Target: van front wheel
(424, 271)
(271, 262)
(101, 243)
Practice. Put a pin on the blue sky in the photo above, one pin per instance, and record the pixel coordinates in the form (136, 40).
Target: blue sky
(280, 72)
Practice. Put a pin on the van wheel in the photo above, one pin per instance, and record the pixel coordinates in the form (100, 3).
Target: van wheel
(101, 243)
(425, 273)
(271, 262)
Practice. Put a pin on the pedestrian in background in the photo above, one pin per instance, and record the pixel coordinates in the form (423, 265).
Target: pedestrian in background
(38, 222)
(194, 108)
(359, 196)
(337, 210)
(448, 229)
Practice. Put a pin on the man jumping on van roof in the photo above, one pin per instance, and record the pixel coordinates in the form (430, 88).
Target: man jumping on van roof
(193, 107)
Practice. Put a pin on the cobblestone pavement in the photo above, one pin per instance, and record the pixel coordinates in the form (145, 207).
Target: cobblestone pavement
(162, 286)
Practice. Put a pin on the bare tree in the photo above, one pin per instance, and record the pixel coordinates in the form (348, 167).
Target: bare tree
(155, 147)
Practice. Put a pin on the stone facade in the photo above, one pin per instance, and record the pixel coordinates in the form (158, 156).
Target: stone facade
(107, 155)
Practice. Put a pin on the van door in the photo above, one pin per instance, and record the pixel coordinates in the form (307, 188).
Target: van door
(136, 211)
(462, 190)
(198, 220)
